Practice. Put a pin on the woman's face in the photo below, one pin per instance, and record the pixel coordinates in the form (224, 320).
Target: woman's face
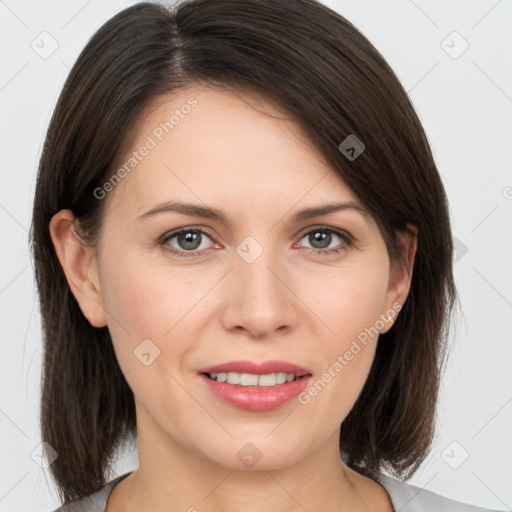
(263, 284)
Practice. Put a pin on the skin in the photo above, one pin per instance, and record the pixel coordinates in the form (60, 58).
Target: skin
(288, 304)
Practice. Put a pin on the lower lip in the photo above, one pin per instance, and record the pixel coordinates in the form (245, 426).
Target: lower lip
(256, 398)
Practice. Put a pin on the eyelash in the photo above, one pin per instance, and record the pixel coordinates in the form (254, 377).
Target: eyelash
(347, 240)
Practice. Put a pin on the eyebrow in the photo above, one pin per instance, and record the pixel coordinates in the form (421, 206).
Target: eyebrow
(206, 212)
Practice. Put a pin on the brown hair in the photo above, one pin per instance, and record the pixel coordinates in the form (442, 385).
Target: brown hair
(321, 70)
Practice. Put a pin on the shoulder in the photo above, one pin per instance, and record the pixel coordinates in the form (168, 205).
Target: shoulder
(410, 498)
(96, 502)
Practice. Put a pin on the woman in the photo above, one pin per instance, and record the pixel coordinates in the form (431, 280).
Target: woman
(243, 255)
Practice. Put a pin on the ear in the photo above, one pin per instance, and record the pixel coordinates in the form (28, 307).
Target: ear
(400, 277)
(79, 263)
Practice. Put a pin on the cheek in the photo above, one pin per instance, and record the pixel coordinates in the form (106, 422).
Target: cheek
(145, 316)
(137, 308)
(350, 301)
(350, 309)
(139, 295)
(151, 302)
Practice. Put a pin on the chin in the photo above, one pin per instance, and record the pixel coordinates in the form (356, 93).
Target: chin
(258, 455)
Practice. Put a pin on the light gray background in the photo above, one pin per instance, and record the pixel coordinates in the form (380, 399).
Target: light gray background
(465, 104)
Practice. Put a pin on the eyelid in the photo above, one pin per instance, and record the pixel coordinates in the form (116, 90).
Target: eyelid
(174, 232)
(298, 236)
(324, 227)
(347, 238)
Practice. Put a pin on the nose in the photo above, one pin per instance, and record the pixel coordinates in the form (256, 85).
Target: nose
(259, 297)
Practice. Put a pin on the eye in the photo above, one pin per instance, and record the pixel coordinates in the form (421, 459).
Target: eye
(321, 238)
(191, 242)
(188, 242)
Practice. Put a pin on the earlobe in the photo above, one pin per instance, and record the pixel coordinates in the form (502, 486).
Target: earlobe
(400, 276)
(79, 264)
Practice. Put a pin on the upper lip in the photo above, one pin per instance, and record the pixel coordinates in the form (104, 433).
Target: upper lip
(262, 368)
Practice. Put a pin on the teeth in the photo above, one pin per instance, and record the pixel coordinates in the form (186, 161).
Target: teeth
(250, 379)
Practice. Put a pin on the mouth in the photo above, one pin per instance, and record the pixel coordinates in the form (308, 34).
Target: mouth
(256, 386)
(248, 373)
(252, 379)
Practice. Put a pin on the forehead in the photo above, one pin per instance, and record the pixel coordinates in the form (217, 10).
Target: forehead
(217, 145)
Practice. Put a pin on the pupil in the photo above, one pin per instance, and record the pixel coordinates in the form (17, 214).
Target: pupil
(189, 240)
(324, 239)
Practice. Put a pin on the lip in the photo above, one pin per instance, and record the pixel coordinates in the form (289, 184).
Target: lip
(263, 368)
(255, 398)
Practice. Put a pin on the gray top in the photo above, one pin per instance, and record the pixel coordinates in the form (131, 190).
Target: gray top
(405, 498)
